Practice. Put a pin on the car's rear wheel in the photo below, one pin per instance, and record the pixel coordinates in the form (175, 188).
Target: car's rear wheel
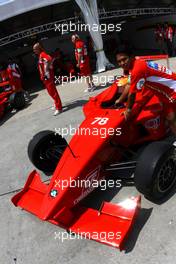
(155, 174)
(17, 100)
(45, 150)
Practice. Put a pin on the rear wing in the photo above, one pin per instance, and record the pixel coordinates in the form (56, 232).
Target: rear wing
(155, 57)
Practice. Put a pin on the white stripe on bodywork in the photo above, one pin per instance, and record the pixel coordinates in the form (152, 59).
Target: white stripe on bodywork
(164, 81)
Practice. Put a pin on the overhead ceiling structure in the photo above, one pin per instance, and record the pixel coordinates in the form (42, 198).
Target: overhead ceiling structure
(21, 19)
(11, 8)
(125, 4)
(19, 15)
(103, 15)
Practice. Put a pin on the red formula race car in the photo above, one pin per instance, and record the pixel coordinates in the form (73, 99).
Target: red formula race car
(104, 142)
(9, 97)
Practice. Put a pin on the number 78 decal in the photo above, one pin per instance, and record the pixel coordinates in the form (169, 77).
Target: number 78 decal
(100, 120)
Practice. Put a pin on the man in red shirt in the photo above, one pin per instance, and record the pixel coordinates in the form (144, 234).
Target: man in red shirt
(83, 63)
(15, 80)
(154, 77)
(168, 37)
(47, 75)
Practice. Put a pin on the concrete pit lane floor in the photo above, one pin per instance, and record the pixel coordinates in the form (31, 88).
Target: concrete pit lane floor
(26, 239)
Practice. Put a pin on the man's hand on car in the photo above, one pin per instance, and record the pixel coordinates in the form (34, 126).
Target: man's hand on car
(127, 113)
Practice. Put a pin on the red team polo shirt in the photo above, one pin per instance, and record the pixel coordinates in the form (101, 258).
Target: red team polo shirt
(155, 77)
(80, 48)
(169, 33)
(44, 58)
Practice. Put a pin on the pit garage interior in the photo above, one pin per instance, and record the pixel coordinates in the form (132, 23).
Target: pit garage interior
(24, 238)
(20, 32)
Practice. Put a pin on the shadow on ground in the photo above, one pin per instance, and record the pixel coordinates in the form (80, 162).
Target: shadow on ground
(74, 104)
(141, 220)
(11, 112)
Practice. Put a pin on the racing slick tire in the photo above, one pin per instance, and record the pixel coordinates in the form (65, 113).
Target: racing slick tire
(155, 174)
(45, 150)
(17, 100)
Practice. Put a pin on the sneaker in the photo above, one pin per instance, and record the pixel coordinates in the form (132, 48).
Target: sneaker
(26, 96)
(89, 89)
(86, 90)
(14, 111)
(92, 88)
(64, 108)
(57, 112)
(53, 107)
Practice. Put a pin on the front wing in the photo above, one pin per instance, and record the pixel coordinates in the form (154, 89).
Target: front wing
(110, 224)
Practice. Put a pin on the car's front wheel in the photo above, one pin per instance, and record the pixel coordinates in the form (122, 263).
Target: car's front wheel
(155, 174)
(45, 150)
